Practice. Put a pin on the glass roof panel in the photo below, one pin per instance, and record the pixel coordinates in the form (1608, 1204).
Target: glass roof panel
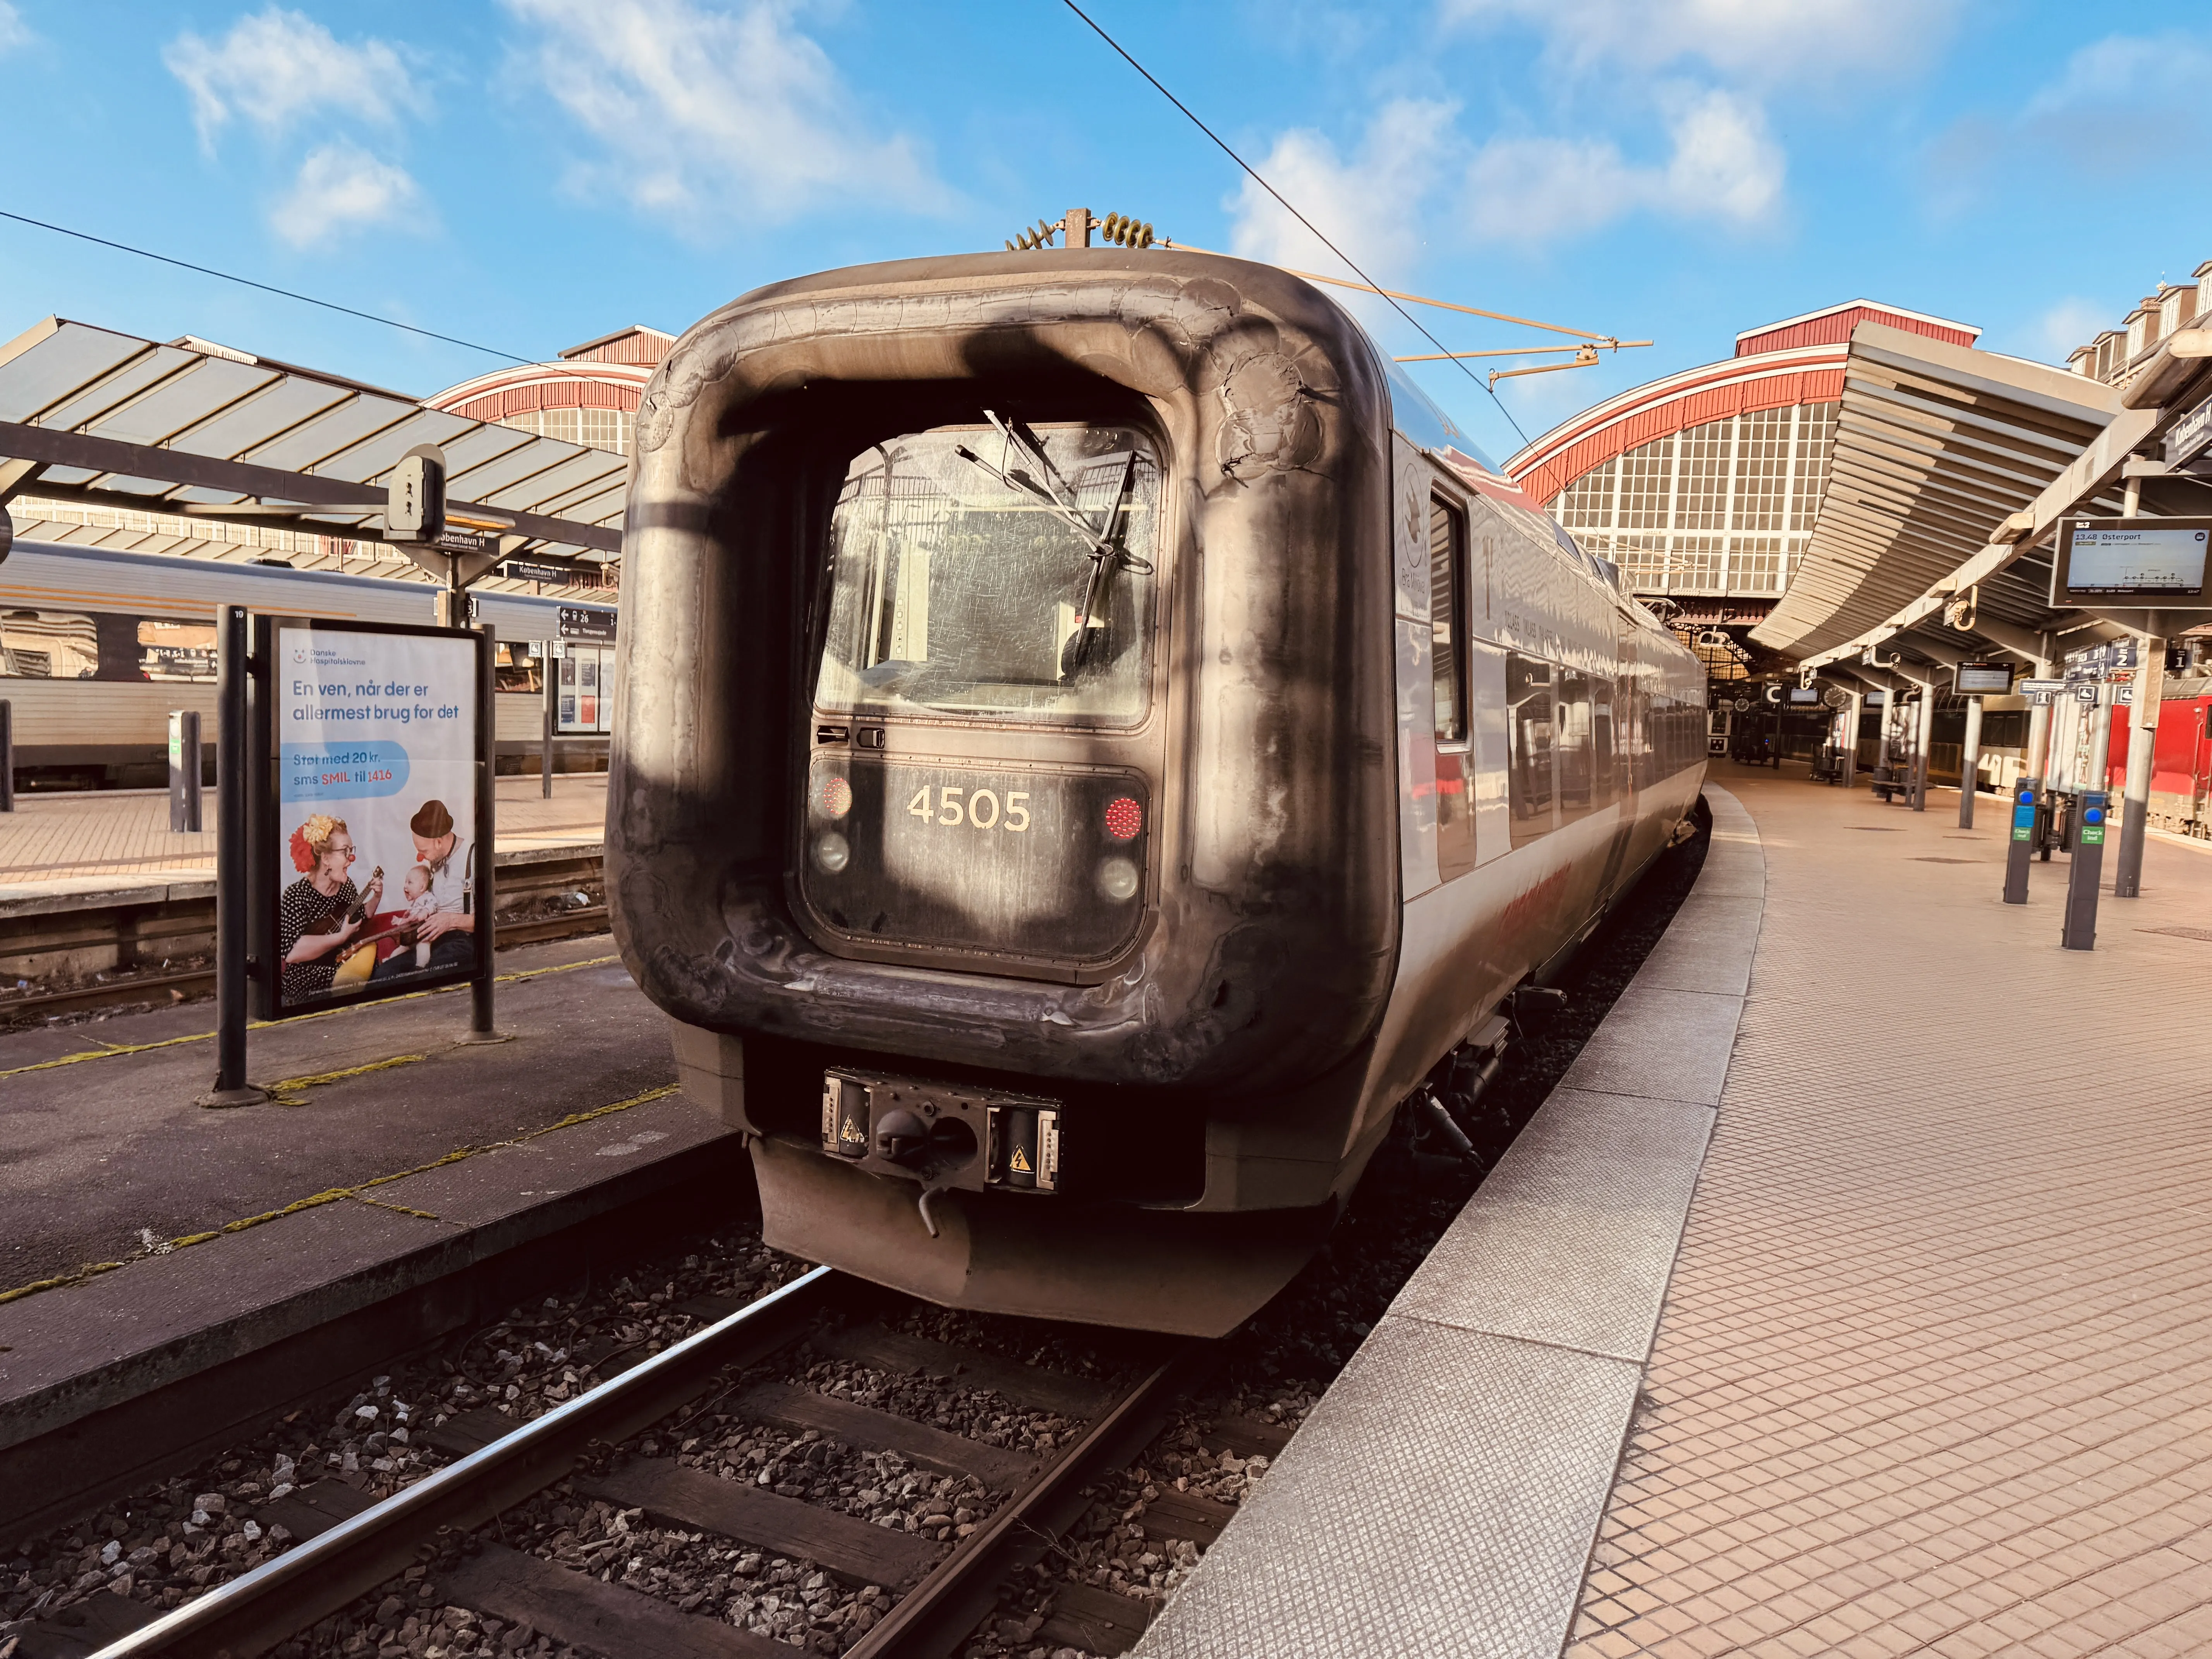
(279, 409)
(600, 506)
(371, 459)
(533, 461)
(213, 383)
(474, 448)
(65, 360)
(530, 495)
(127, 382)
(299, 450)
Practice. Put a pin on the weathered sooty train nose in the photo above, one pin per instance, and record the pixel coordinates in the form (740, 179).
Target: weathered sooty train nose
(1010, 795)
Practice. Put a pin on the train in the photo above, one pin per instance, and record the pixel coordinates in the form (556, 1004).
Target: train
(1093, 740)
(97, 646)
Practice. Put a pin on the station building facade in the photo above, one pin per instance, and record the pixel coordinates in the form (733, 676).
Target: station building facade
(589, 396)
(1704, 486)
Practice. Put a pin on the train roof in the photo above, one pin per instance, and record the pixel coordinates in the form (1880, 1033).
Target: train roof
(38, 575)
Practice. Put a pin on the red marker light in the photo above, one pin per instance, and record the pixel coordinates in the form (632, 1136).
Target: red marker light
(1124, 818)
(836, 796)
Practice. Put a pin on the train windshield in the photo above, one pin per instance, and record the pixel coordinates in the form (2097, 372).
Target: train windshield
(1003, 572)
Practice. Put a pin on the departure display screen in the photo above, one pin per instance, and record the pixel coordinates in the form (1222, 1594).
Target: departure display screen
(1984, 678)
(2154, 560)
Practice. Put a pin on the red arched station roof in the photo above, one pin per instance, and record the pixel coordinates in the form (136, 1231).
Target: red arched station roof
(1799, 360)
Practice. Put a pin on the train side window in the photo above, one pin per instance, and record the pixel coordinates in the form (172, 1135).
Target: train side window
(48, 645)
(1528, 735)
(1605, 784)
(1571, 724)
(1447, 617)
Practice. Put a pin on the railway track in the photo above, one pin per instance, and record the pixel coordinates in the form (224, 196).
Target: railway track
(931, 1596)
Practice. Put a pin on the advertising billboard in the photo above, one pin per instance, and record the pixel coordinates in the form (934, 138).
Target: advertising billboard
(2151, 560)
(375, 738)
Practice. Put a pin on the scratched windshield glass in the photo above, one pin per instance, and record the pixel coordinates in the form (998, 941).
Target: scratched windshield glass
(1000, 572)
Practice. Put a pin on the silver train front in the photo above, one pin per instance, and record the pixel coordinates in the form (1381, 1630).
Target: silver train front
(1324, 743)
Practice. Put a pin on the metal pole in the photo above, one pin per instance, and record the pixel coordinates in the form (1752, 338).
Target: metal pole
(552, 695)
(2039, 720)
(1970, 763)
(1923, 734)
(2100, 741)
(7, 756)
(1853, 715)
(482, 986)
(233, 869)
(2142, 747)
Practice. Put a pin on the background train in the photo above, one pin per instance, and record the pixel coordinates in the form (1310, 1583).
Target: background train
(1094, 739)
(97, 646)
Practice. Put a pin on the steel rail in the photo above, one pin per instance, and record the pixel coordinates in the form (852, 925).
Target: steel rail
(934, 1617)
(284, 1596)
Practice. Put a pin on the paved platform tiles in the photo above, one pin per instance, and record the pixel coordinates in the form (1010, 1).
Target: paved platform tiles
(124, 834)
(1933, 1373)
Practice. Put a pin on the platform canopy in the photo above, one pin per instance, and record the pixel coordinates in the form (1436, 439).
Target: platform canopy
(204, 431)
(1937, 446)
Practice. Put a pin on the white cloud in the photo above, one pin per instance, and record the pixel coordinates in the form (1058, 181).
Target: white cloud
(703, 109)
(1723, 166)
(2072, 322)
(2124, 70)
(1765, 41)
(14, 31)
(1369, 206)
(342, 187)
(277, 66)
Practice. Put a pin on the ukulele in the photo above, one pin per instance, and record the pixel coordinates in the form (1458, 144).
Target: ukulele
(333, 922)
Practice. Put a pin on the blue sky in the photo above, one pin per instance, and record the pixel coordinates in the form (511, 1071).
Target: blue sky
(528, 174)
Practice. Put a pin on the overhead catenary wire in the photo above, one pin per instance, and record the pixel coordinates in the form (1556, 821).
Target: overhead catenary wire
(247, 282)
(1222, 144)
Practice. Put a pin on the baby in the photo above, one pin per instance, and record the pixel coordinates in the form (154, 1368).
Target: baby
(421, 905)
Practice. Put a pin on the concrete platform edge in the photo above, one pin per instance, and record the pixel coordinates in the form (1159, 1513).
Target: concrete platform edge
(408, 1253)
(1492, 1401)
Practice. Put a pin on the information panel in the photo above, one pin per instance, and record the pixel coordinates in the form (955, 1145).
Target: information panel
(376, 734)
(2153, 560)
(1984, 678)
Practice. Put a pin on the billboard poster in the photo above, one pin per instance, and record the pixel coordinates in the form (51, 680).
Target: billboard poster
(375, 733)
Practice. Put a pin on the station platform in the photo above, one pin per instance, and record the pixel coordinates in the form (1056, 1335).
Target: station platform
(1846, 1298)
(153, 1243)
(103, 839)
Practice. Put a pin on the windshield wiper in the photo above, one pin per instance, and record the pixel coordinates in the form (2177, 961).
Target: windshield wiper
(1107, 549)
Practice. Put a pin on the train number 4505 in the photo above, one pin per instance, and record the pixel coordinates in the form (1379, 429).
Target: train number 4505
(980, 807)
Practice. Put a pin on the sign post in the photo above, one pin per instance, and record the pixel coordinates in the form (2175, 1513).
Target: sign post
(184, 771)
(2079, 931)
(2020, 850)
(7, 750)
(233, 864)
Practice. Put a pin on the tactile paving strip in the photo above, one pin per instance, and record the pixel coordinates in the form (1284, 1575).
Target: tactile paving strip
(1442, 1498)
(1439, 1500)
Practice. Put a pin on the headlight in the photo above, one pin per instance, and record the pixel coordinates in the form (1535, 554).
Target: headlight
(832, 851)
